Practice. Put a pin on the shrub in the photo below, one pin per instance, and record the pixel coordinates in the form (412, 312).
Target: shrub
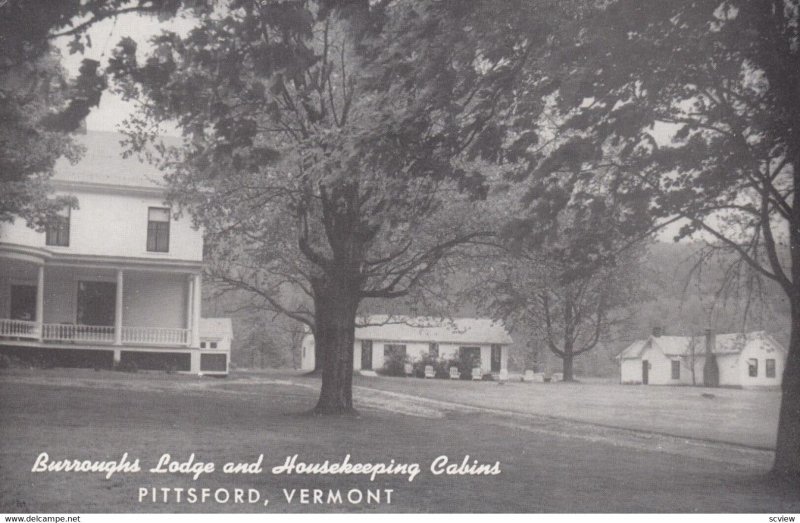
(394, 365)
(5, 361)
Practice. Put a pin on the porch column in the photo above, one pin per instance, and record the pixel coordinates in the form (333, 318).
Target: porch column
(189, 307)
(196, 302)
(40, 302)
(118, 310)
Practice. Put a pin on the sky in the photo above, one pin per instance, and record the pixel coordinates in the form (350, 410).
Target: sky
(104, 37)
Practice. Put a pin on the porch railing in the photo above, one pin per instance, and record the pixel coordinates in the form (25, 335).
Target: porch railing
(70, 333)
(19, 329)
(154, 336)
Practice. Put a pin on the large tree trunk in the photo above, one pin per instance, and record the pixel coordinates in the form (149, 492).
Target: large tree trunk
(568, 360)
(787, 450)
(335, 306)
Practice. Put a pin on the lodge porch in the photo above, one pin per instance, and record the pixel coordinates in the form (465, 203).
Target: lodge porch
(62, 304)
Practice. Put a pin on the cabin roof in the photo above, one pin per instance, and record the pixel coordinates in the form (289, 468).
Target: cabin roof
(730, 343)
(432, 330)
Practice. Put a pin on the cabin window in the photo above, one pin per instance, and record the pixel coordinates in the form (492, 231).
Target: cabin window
(213, 344)
(433, 350)
(676, 370)
(157, 229)
(57, 230)
(770, 368)
(752, 367)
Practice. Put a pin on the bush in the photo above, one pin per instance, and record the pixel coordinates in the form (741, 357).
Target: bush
(394, 365)
(5, 361)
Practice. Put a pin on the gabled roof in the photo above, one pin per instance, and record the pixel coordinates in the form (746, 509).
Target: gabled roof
(678, 346)
(103, 164)
(432, 330)
(216, 328)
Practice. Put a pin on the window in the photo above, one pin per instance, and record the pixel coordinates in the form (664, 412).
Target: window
(57, 231)
(202, 345)
(770, 368)
(676, 370)
(433, 350)
(213, 344)
(157, 229)
(752, 367)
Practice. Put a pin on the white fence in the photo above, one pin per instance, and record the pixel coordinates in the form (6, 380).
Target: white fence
(65, 332)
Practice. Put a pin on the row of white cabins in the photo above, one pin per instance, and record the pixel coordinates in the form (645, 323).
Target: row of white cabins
(118, 281)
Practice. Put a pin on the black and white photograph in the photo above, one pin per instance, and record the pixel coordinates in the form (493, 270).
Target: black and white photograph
(399, 256)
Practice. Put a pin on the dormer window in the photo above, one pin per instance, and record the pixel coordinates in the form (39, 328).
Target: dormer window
(57, 230)
(158, 229)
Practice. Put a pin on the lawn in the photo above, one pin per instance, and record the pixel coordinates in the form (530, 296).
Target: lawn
(739, 416)
(547, 465)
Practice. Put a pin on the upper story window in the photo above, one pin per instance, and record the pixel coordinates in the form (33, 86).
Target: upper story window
(158, 229)
(57, 231)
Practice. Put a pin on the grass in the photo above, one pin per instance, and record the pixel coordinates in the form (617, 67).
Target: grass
(739, 416)
(548, 465)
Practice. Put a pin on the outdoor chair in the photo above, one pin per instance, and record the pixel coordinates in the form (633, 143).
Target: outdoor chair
(557, 376)
(429, 372)
(409, 369)
(454, 374)
(476, 373)
(528, 377)
(504, 375)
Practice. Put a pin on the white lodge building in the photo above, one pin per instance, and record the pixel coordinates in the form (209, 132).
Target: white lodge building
(117, 280)
(415, 338)
(753, 359)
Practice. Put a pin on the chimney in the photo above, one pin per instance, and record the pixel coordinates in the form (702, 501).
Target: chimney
(658, 331)
(710, 341)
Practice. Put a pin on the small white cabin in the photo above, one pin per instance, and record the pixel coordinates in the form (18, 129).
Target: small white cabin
(753, 359)
(379, 335)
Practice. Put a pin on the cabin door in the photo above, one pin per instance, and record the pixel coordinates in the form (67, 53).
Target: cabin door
(366, 355)
(497, 358)
(645, 372)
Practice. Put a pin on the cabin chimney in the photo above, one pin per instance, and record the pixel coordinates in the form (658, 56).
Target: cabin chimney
(658, 331)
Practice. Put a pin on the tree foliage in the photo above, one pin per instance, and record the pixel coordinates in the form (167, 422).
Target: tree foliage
(39, 104)
(686, 112)
(329, 154)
